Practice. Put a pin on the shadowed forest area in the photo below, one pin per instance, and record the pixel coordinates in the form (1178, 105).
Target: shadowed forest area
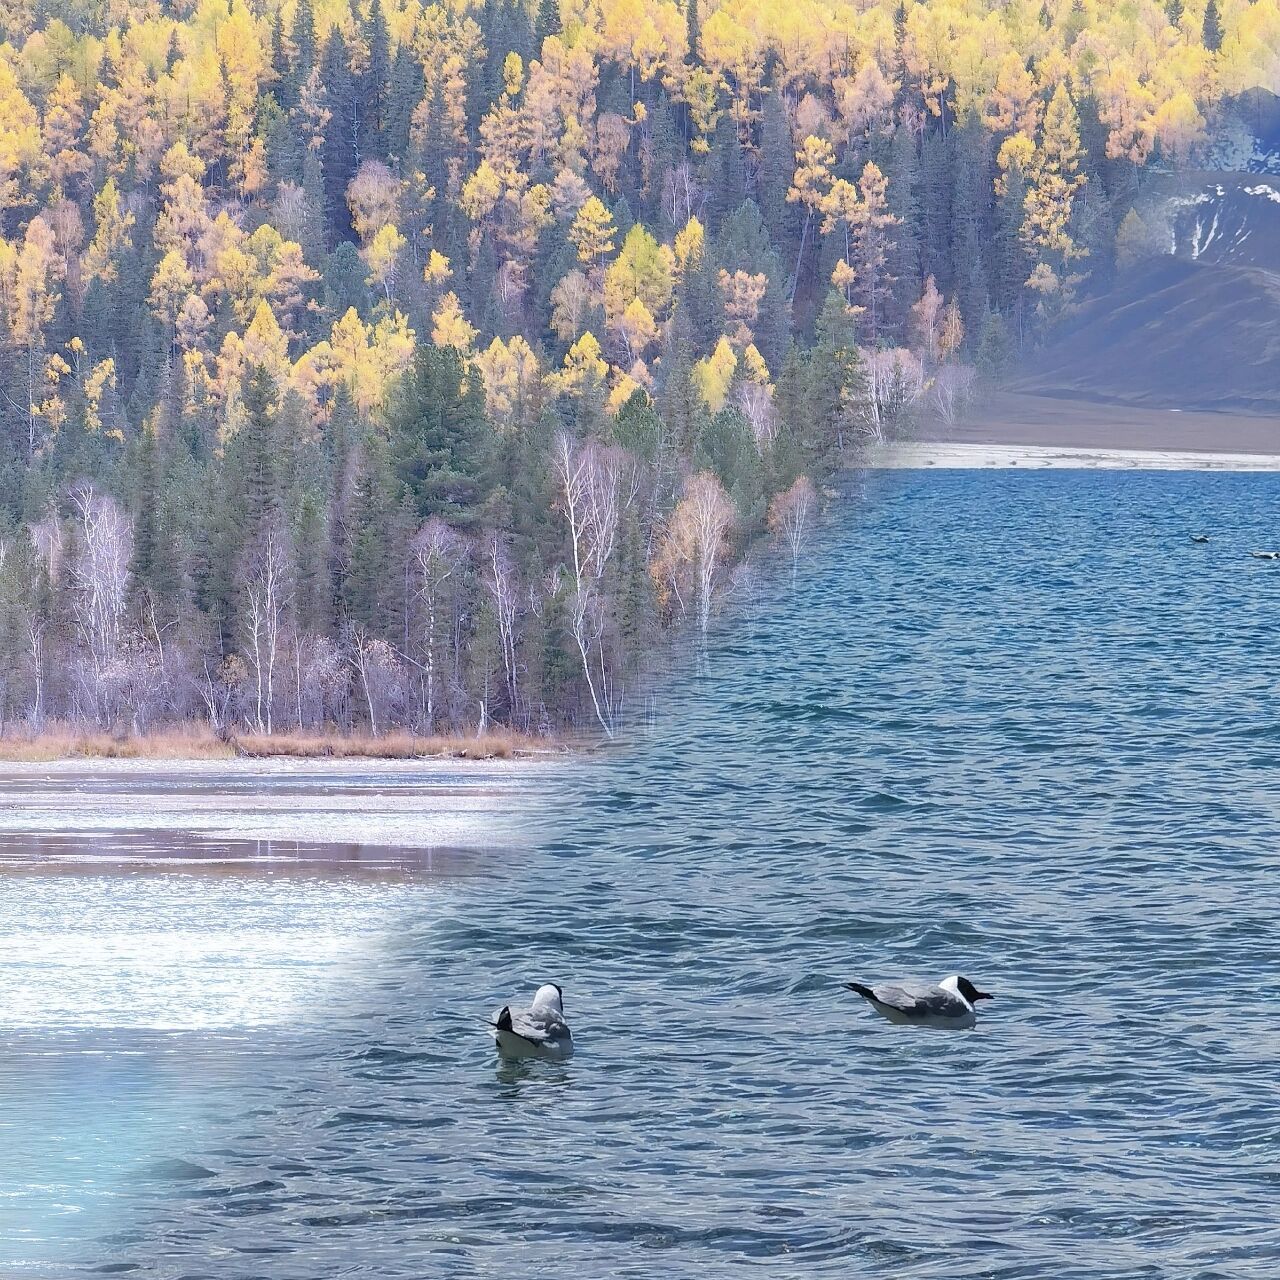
(379, 367)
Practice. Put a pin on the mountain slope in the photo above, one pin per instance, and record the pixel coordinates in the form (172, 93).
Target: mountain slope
(1198, 329)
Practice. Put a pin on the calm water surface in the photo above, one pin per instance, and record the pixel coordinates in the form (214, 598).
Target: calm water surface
(1013, 725)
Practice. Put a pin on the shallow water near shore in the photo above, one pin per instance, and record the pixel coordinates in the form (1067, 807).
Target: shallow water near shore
(1012, 725)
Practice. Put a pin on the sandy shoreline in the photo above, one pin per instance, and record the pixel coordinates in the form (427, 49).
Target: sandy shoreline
(966, 455)
(1019, 429)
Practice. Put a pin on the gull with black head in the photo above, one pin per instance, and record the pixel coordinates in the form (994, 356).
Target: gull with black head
(539, 1031)
(950, 1004)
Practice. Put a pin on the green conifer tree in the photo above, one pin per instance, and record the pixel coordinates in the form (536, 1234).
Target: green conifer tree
(402, 97)
(936, 171)
(994, 348)
(370, 578)
(342, 138)
(375, 83)
(303, 36)
(441, 441)
(1212, 27)
(548, 21)
(970, 212)
(773, 176)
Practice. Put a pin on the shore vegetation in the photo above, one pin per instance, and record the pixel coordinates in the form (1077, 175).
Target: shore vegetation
(197, 741)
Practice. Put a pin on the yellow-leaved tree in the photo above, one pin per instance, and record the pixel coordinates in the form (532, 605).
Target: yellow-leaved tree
(364, 358)
(171, 284)
(382, 257)
(449, 327)
(511, 378)
(29, 277)
(712, 375)
(592, 233)
(638, 287)
(810, 185)
(643, 269)
(637, 329)
(584, 368)
(21, 147)
(1054, 179)
(689, 241)
(111, 237)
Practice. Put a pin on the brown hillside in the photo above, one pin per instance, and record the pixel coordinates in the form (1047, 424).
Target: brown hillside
(1171, 334)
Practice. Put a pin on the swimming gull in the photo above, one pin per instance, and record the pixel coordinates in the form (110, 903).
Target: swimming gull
(949, 1004)
(539, 1031)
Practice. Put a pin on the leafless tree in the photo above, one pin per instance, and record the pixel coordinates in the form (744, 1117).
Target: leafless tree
(214, 698)
(597, 484)
(268, 595)
(378, 670)
(290, 211)
(137, 682)
(951, 392)
(151, 621)
(219, 687)
(713, 516)
(895, 382)
(500, 582)
(682, 196)
(694, 545)
(755, 400)
(50, 546)
(100, 577)
(36, 656)
(437, 555)
(790, 516)
(325, 683)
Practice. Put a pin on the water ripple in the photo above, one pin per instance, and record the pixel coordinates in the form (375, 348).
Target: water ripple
(1010, 725)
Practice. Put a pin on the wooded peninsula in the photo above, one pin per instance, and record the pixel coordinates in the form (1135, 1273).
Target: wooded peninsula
(384, 368)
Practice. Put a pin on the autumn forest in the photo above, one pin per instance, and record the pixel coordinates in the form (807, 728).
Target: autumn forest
(380, 365)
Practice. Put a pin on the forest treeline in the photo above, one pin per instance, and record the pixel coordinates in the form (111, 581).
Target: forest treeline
(378, 365)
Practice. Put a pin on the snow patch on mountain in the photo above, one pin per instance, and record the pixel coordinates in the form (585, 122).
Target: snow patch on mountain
(1229, 223)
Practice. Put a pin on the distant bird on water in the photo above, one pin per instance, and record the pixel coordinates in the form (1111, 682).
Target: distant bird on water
(539, 1031)
(1265, 555)
(950, 1004)
(1199, 537)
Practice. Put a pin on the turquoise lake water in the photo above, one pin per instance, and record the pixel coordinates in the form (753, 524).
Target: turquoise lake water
(1011, 725)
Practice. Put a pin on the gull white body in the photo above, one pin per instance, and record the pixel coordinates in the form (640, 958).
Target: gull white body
(539, 1031)
(948, 1005)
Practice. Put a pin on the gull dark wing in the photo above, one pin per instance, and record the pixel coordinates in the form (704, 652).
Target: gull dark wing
(904, 999)
(505, 1022)
(538, 1026)
(939, 1004)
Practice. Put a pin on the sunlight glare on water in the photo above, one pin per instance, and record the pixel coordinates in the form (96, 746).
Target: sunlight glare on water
(1015, 726)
